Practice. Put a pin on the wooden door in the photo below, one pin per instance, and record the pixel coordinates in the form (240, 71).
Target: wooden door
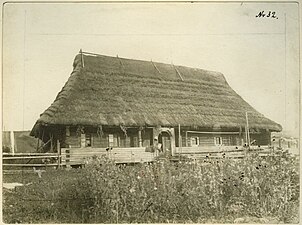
(165, 140)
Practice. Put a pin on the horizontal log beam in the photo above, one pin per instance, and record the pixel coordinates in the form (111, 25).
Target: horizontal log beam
(31, 157)
(30, 165)
(28, 154)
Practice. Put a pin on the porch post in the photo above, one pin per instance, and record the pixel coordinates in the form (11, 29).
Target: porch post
(172, 138)
(59, 152)
(240, 136)
(51, 142)
(140, 144)
(12, 141)
(179, 140)
(67, 159)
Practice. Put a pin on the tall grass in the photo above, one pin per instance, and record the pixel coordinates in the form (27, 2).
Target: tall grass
(192, 191)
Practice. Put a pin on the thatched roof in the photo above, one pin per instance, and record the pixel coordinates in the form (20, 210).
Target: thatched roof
(118, 91)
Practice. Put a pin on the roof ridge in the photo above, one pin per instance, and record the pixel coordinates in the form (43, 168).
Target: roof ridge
(146, 61)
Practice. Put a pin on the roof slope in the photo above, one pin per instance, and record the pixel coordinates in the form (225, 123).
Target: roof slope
(117, 91)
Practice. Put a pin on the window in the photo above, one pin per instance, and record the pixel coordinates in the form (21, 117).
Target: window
(110, 140)
(194, 141)
(87, 140)
(217, 141)
(83, 141)
(134, 141)
(113, 140)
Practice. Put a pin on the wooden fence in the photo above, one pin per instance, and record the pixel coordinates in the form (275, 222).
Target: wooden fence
(78, 156)
(31, 160)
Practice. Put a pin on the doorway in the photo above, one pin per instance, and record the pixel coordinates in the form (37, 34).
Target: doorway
(164, 138)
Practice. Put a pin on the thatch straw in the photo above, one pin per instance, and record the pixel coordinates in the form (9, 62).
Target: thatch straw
(134, 93)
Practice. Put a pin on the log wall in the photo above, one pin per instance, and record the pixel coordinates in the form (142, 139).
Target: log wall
(73, 139)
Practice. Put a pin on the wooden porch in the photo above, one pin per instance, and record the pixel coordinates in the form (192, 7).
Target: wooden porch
(79, 156)
(68, 157)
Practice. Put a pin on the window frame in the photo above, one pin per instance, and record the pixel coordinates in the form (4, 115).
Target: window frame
(195, 140)
(219, 142)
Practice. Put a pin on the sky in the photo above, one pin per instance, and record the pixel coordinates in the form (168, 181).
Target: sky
(258, 56)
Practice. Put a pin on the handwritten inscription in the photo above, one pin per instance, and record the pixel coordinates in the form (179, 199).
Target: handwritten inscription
(269, 14)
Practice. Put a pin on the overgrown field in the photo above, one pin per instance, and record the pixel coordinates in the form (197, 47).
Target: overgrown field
(254, 190)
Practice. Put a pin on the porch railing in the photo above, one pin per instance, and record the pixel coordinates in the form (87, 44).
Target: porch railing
(75, 156)
(221, 151)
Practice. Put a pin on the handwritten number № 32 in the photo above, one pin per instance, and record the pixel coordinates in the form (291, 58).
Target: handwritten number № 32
(269, 14)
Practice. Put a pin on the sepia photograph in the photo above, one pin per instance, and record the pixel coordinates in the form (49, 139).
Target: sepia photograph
(150, 112)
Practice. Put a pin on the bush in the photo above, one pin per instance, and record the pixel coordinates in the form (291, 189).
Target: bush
(192, 191)
(196, 192)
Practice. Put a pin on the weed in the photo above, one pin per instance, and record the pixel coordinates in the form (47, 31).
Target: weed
(161, 192)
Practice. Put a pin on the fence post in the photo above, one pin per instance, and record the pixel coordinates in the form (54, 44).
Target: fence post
(12, 141)
(59, 153)
(67, 155)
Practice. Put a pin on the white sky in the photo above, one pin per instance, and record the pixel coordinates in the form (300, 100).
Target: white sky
(259, 57)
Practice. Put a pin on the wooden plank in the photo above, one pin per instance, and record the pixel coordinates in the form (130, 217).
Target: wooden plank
(31, 157)
(82, 58)
(59, 152)
(33, 154)
(26, 165)
(155, 67)
(178, 72)
(75, 151)
(140, 143)
(135, 154)
(224, 155)
(209, 149)
(83, 154)
(82, 149)
(17, 171)
(209, 132)
(12, 139)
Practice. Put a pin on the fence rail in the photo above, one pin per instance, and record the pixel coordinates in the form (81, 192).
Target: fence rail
(31, 160)
(4, 154)
(30, 165)
(32, 157)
